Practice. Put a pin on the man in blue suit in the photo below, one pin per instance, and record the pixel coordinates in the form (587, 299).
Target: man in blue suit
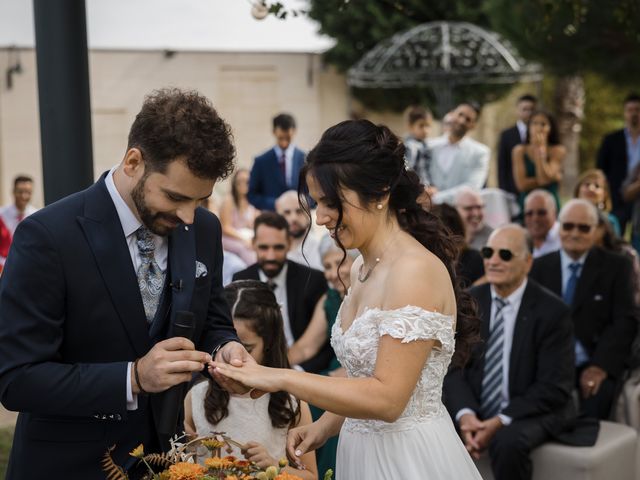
(90, 293)
(276, 170)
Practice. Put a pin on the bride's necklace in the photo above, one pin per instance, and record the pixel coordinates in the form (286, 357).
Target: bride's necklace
(370, 270)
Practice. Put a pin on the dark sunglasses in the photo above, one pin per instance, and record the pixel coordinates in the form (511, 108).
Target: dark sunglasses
(541, 212)
(503, 253)
(582, 227)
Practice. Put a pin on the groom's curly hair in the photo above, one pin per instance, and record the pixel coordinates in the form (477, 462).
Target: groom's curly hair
(182, 124)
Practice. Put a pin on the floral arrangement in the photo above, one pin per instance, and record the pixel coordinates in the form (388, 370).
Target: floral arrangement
(181, 463)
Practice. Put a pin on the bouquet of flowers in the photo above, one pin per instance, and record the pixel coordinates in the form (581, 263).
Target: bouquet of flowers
(180, 463)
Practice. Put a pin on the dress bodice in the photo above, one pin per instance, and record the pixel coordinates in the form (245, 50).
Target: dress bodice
(357, 350)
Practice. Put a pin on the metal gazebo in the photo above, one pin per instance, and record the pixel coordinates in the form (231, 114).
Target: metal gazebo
(441, 55)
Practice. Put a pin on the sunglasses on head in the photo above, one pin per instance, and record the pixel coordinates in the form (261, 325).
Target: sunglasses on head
(503, 253)
(541, 212)
(582, 227)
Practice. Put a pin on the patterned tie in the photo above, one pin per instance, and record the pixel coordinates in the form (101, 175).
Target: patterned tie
(150, 276)
(272, 285)
(283, 167)
(570, 291)
(492, 379)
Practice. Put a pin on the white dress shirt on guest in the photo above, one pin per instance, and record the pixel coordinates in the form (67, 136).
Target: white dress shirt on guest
(281, 297)
(551, 243)
(12, 217)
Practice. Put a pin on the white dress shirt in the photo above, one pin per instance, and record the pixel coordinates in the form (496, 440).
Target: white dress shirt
(551, 243)
(509, 316)
(281, 297)
(522, 130)
(288, 160)
(130, 224)
(11, 216)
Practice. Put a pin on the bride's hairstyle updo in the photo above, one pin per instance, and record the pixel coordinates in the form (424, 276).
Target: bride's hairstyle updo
(369, 160)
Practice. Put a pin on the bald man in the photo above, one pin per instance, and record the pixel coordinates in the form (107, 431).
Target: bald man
(540, 221)
(303, 250)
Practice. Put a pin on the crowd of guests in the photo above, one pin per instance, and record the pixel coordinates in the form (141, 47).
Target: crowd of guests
(557, 287)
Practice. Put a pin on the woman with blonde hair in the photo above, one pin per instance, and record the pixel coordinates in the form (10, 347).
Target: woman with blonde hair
(593, 186)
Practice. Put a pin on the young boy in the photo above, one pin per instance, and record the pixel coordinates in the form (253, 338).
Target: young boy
(418, 121)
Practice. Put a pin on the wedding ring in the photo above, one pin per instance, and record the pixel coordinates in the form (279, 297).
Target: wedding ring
(591, 383)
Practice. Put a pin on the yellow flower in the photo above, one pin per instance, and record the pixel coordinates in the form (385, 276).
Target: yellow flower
(137, 452)
(262, 476)
(186, 471)
(212, 444)
(271, 472)
(283, 462)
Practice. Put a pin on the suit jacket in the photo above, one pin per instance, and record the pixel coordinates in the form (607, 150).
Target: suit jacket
(266, 182)
(305, 287)
(71, 319)
(612, 160)
(603, 311)
(541, 372)
(470, 167)
(509, 138)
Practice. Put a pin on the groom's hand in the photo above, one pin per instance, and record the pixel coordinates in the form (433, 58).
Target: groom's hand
(233, 353)
(168, 363)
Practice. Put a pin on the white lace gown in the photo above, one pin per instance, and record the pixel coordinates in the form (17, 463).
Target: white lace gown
(423, 442)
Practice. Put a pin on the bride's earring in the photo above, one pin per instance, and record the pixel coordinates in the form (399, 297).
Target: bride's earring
(379, 206)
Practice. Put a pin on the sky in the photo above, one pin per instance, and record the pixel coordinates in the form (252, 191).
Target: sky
(213, 25)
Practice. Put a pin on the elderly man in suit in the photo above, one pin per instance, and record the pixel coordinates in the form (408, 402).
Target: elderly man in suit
(276, 170)
(597, 286)
(93, 288)
(540, 221)
(515, 393)
(511, 137)
(297, 287)
(457, 159)
(619, 154)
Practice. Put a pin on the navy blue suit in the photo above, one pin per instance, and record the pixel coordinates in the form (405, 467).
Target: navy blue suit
(267, 183)
(71, 318)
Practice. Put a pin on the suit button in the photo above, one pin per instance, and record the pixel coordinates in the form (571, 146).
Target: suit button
(118, 417)
(104, 416)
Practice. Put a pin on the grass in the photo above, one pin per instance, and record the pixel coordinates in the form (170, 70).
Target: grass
(6, 437)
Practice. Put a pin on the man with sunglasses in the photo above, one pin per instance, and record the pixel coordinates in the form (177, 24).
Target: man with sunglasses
(515, 392)
(597, 286)
(540, 221)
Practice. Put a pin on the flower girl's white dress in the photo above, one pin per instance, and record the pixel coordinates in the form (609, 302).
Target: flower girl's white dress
(423, 442)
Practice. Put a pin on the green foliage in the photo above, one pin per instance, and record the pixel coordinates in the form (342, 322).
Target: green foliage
(573, 36)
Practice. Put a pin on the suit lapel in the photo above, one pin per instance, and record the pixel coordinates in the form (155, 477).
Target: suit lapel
(554, 274)
(103, 230)
(182, 262)
(521, 329)
(587, 278)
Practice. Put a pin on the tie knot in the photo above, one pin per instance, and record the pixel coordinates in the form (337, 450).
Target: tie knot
(272, 285)
(146, 244)
(575, 267)
(501, 303)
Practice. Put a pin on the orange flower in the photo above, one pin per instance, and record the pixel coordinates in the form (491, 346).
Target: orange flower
(230, 458)
(186, 471)
(287, 476)
(230, 477)
(214, 462)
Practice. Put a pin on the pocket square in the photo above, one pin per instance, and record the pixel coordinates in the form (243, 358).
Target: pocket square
(201, 269)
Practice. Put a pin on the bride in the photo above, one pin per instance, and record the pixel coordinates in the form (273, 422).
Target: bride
(398, 328)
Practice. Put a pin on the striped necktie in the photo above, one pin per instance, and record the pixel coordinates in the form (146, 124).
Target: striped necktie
(492, 379)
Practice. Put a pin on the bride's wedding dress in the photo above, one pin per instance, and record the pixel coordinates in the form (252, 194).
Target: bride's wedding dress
(423, 442)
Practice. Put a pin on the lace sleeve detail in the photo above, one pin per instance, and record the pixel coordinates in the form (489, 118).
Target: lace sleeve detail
(414, 323)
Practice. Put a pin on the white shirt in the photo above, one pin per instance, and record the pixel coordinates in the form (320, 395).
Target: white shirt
(509, 316)
(311, 252)
(281, 297)
(288, 159)
(551, 243)
(130, 224)
(447, 154)
(10, 216)
(522, 129)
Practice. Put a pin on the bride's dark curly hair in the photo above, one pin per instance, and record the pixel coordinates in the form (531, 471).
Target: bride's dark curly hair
(369, 160)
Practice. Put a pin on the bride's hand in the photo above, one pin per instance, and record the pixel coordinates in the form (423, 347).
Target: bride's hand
(252, 375)
(306, 438)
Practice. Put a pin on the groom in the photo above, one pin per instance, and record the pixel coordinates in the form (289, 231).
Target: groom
(91, 289)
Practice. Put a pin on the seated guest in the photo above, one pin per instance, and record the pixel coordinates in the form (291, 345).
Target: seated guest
(540, 221)
(469, 268)
(515, 393)
(598, 287)
(303, 250)
(236, 217)
(276, 170)
(296, 287)
(260, 425)
(470, 206)
(337, 271)
(592, 185)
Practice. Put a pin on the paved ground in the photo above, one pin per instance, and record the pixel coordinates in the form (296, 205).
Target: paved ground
(7, 418)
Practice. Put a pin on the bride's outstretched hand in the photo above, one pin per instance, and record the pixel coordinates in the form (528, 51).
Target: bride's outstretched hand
(306, 438)
(252, 375)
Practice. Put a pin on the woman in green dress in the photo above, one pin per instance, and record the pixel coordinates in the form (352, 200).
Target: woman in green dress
(537, 163)
(337, 268)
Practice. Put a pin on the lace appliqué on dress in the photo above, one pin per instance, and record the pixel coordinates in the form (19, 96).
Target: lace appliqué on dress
(413, 323)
